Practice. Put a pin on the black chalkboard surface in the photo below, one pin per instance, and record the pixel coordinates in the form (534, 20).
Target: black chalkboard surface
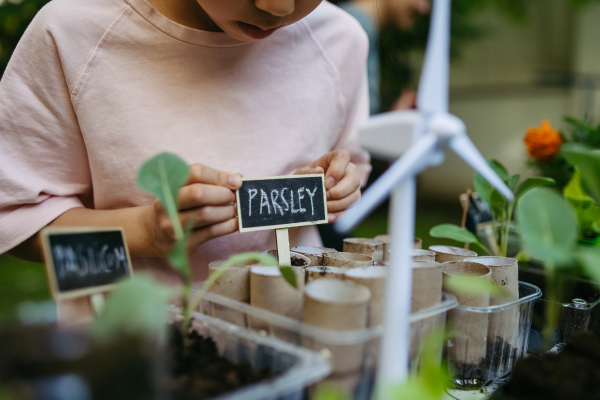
(281, 202)
(84, 261)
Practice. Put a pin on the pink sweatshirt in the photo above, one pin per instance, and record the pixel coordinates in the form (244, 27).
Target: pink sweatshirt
(96, 87)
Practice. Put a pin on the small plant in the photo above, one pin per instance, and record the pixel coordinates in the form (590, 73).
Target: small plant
(427, 382)
(549, 231)
(502, 210)
(544, 147)
(163, 175)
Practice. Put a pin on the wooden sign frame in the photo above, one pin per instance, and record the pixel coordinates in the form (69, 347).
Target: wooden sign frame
(51, 271)
(270, 227)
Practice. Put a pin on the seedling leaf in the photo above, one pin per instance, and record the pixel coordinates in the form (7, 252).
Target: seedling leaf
(469, 285)
(587, 160)
(547, 225)
(163, 175)
(531, 183)
(138, 307)
(452, 232)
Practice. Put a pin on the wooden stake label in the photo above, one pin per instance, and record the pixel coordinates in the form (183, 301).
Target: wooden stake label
(281, 202)
(84, 261)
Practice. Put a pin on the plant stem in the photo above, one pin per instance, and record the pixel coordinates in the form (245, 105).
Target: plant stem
(552, 306)
(504, 250)
(489, 253)
(494, 227)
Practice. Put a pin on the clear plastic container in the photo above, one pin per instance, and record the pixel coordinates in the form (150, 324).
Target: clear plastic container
(479, 357)
(334, 345)
(296, 368)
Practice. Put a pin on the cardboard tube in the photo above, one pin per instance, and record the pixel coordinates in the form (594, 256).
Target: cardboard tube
(470, 328)
(374, 279)
(297, 258)
(423, 255)
(427, 284)
(348, 260)
(314, 254)
(234, 283)
(269, 290)
(313, 273)
(505, 273)
(417, 245)
(339, 305)
(449, 253)
(368, 247)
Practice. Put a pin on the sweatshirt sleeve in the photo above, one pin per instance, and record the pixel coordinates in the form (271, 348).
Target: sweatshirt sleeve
(357, 112)
(44, 169)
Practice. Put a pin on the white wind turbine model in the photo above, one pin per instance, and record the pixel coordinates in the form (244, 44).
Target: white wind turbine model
(432, 129)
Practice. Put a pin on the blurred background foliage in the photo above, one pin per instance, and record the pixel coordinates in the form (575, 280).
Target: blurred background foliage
(15, 16)
(396, 45)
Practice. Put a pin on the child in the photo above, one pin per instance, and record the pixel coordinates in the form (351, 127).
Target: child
(252, 87)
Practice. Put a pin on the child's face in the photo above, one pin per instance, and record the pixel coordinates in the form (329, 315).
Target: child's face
(251, 20)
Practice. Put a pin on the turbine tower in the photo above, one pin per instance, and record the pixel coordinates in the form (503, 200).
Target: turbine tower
(431, 130)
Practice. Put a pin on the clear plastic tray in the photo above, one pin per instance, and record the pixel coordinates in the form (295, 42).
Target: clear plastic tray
(296, 368)
(340, 347)
(481, 357)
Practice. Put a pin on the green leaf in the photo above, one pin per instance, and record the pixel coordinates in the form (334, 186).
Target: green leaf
(162, 176)
(512, 181)
(330, 391)
(547, 225)
(138, 308)
(589, 258)
(498, 205)
(499, 169)
(483, 188)
(531, 183)
(289, 276)
(587, 160)
(523, 257)
(178, 258)
(452, 232)
(469, 285)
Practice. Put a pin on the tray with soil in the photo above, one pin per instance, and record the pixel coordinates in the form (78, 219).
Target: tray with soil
(573, 374)
(582, 315)
(231, 363)
(505, 341)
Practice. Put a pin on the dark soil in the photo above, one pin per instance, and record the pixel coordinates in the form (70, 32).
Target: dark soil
(199, 372)
(298, 262)
(573, 374)
(499, 353)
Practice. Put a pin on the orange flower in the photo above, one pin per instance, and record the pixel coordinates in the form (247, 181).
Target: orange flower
(543, 142)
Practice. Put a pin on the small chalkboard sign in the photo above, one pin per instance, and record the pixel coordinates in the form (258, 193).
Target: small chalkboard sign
(84, 261)
(281, 202)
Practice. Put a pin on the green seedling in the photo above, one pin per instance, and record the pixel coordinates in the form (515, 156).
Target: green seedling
(163, 175)
(137, 308)
(502, 210)
(549, 233)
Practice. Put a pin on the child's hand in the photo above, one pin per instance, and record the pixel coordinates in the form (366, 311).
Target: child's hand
(341, 180)
(207, 201)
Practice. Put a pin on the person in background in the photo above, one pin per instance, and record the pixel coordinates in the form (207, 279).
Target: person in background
(372, 15)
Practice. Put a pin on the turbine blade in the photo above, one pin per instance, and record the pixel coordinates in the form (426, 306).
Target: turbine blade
(464, 147)
(433, 87)
(414, 161)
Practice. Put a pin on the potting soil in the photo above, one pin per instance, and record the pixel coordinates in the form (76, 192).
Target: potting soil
(499, 356)
(199, 372)
(573, 374)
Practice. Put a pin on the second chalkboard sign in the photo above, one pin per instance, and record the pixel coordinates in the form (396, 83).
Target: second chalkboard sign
(281, 202)
(84, 261)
